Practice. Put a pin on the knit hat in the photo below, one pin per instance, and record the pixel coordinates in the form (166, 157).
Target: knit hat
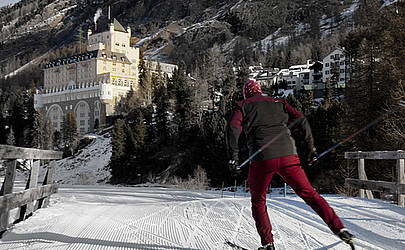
(250, 88)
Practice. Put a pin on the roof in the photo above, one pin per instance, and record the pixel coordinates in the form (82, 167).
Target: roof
(118, 26)
(87, 56)
(72, 59)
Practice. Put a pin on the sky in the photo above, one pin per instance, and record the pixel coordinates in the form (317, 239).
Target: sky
(6, 2)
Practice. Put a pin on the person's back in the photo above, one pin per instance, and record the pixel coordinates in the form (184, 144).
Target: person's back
(265, 119)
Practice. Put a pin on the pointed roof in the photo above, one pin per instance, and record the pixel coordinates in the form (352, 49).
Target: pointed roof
(118, 26)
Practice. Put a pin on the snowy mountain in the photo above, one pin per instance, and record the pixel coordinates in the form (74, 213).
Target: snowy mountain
(168, 30)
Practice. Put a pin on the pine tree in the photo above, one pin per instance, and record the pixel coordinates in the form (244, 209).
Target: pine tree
(3, 129)
(161, 100)
(183, 98)
(145, 81)
(117, 159)
(69, 133)
(17, 119)
(48, 135)
(11, 137)
(35, 138)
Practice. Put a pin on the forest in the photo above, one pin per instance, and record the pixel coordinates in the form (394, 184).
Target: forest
(170, 127)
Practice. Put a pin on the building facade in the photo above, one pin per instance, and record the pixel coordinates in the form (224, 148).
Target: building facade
(90, 84)
(335, 69)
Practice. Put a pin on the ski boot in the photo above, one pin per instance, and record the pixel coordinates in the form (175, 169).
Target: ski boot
(269, 246)
(346, 237)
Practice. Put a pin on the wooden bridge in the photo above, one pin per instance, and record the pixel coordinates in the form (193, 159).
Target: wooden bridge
(34, 196)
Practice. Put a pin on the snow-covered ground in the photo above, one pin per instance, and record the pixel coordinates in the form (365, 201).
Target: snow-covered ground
(102, 216)
(88, 166)
(114, 217)
(8, 2)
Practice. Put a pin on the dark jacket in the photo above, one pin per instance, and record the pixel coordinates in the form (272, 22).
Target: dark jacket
(263, 118)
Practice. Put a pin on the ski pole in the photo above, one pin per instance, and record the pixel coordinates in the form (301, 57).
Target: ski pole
(401, 103)
(268, 144)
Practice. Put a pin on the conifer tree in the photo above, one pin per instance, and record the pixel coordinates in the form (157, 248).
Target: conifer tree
(3, 129)
(35, 138)
(117, 159)
(11, 137)
(183, 98)
(17, 119)
(161, 100)
(69, 133)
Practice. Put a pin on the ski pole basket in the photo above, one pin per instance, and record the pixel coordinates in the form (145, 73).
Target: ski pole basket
(366, 186)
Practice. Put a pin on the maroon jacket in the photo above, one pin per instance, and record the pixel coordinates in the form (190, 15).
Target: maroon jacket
(262, 118)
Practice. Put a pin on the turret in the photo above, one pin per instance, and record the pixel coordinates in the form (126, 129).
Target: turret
(129, 30)
(89, 32)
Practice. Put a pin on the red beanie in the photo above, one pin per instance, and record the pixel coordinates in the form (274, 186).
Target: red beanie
(250, 88)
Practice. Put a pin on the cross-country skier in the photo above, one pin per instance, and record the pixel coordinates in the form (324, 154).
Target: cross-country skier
(263, 118)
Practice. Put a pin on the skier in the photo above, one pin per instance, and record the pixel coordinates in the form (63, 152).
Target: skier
(262, 118)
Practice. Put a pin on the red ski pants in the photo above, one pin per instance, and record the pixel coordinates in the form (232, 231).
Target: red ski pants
(289, 168)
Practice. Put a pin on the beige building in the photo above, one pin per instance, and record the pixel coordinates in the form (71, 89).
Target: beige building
(92, 83)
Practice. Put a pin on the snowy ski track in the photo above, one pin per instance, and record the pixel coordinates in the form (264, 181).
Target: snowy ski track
(115, 217)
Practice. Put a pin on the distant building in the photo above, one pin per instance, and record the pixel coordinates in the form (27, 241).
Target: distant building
(164, 68)
(92, 83)
(296, 76)
(335, 68)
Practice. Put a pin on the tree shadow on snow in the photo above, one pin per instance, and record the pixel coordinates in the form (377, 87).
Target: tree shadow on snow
(51, 238)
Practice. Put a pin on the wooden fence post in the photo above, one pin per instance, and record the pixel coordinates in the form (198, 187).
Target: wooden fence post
(48, 180)
(363, 176)
(401, 180)
(27, 210)
(7, 188)
(360, 170)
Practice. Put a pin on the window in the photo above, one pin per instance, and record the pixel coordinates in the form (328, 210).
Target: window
(341, 56)
(81, 114)
(123, 70)
(327, 72)
(82, 122)
(326, 64)
(342, 63)
(331, 57)
(342, 70)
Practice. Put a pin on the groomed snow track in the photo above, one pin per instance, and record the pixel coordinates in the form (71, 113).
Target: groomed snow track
(111, 217)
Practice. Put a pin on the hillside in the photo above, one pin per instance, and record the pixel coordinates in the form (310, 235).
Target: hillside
(168, 30)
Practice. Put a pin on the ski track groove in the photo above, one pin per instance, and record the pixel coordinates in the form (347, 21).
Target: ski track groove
(274, 223)
(191, 221)
(304, 239)
(193, 235)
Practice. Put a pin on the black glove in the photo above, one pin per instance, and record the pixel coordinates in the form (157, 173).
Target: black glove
(233, 167)
(312, 156)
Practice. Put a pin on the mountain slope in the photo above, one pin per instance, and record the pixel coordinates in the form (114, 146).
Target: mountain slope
(31, 28)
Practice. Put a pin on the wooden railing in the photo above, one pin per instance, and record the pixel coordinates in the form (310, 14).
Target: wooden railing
(366, 186)
(33, 197)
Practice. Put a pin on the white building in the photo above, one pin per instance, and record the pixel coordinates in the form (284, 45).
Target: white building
(335, 68)
(91, 84)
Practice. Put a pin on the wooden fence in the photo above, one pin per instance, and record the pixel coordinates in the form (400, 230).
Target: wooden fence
(33, 197)
(366, 186)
